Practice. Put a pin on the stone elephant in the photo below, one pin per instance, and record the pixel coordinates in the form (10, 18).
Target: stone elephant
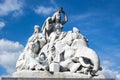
(82, 51)
(78, 49)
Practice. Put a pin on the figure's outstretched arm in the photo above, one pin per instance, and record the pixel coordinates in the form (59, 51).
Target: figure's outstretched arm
(65, 18)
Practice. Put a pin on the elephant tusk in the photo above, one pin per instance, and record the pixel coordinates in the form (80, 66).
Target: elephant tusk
(83, 63)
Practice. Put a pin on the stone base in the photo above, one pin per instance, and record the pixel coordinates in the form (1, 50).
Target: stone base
(52, 79)
(46, 74)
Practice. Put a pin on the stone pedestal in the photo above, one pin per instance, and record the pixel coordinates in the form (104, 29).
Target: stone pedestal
(46, 74)
(10, 78)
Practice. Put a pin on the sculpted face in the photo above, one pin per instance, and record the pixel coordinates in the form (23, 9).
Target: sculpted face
(76, 30)
(36, 29)
(50, 20)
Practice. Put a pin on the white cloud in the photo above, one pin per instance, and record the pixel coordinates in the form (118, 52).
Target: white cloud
(54, 3)
(9, 6)
(44, 10)
(18, 13)
(110, 73)
(118, 76)
(9, 52)
(81, 16)
(107, 72)
(107, 63)
(2, 24)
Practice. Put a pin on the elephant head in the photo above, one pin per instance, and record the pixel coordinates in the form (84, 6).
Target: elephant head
(84, 52)
(91, 57)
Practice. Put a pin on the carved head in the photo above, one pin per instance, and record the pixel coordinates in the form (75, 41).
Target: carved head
(36, 29)
(49, 19)
(76, 30)
(43, 56)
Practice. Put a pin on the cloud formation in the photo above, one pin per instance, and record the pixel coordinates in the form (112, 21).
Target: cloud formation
(109, 73)
(81, 16)
(9, 6)
(9, 52)
(41, 10)
(2, 24)
(54, 3)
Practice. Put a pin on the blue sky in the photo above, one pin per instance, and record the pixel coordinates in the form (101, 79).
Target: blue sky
(98, 20)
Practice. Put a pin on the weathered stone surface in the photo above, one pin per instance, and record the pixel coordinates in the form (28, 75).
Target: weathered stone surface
(65, 54)
(54, 67)
(10, 78)
(46, 74)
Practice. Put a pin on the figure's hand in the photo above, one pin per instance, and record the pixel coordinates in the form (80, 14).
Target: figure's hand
(61, 10)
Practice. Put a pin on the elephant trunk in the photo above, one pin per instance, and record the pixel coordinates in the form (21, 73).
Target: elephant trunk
(96, 63)
(88, 53)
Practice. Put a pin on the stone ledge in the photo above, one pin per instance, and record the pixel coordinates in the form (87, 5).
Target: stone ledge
(11, 78)
(46, 74)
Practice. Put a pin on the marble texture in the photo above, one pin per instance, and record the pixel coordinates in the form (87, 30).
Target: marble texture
(66, 54)
(46, 74)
